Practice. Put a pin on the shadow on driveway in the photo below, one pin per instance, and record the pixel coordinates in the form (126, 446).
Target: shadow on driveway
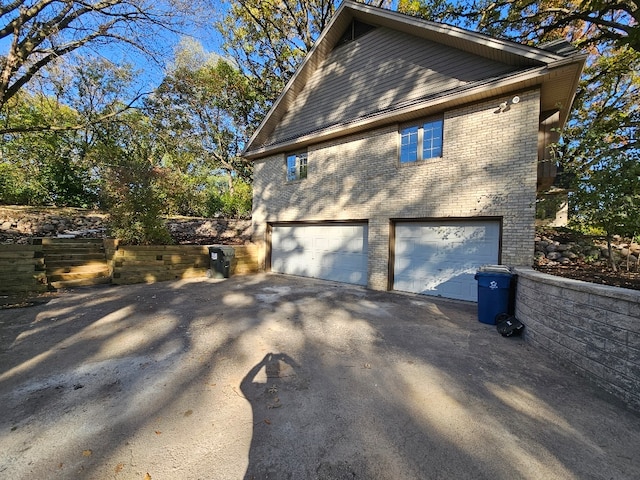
(279, 377)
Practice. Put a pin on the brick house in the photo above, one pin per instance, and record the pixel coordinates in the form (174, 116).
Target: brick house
(404, 154)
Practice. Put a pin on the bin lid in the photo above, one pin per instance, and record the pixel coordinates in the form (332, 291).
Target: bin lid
(494, 269)
(228, 250)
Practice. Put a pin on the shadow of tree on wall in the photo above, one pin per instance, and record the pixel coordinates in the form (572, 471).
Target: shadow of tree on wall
(343, 185)
(327, 253)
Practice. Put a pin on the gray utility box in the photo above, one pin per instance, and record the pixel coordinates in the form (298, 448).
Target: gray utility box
(220, 257)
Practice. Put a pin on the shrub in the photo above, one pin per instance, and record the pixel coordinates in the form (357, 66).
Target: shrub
(226, 204)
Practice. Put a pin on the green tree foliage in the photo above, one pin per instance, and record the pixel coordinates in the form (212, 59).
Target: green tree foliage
(606, 113)
(585, 22)
(220, 201)
(269, 39)
(133, 182)
(444, 11)
(44, 167)
(201, 114)
(203, 111)
(47, 139)
(73, 134)
(608, 197)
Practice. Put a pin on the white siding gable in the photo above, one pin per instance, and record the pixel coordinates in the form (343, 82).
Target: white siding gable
(378, 71)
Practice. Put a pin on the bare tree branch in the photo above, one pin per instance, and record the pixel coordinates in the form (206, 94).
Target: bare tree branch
(43, 31)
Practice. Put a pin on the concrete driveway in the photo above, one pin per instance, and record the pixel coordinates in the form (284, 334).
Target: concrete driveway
(274, 377)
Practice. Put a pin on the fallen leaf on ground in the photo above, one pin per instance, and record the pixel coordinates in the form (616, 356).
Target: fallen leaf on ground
(119, 467)
(158, 432)
(267, 421)
(87, 453)
(188, 413)
(147, 476)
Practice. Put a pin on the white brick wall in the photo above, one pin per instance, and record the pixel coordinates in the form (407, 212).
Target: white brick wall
(488, 169)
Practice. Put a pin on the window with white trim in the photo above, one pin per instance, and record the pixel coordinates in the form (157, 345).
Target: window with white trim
(296, 166)
(422, 141)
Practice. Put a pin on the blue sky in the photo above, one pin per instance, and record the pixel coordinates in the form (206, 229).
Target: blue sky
(150, 72)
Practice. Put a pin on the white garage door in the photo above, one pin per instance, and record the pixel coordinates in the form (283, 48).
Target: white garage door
(330, 252)
(441, 258)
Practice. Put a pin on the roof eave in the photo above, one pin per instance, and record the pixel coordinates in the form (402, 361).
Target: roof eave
(578, 62)
(311, 59)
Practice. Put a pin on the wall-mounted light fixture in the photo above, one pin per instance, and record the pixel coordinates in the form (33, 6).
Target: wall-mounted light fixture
(505, 106)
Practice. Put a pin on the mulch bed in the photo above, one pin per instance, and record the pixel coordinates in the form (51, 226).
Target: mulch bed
(595, 274)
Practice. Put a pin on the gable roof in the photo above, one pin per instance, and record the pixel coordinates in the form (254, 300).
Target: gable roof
(341, 88)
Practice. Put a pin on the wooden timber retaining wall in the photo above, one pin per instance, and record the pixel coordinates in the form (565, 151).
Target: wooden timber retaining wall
(156, 263)
(23, 267)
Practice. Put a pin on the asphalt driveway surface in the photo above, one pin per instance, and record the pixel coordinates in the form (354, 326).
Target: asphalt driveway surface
(280, 377)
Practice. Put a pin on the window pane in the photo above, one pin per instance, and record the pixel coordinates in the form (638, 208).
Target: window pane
(296, 166)
(302, 160)
(432, 139)
(291, 168)
(409, 144)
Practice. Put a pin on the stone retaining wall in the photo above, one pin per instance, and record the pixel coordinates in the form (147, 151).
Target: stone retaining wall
(593, 328)
(552, 252)
(18, 224)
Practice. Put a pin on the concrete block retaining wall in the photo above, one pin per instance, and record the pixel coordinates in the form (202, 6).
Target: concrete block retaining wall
(593, 328)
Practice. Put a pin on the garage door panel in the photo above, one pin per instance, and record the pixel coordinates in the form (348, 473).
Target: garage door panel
(441, 258)
(451, 248)
(330, 252)
(407, 247)
(289, 244)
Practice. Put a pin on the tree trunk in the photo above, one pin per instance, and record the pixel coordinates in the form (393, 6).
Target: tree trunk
(230, 180)
(612, 261)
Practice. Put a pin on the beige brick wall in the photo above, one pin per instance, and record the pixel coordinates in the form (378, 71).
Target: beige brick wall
(488, 169)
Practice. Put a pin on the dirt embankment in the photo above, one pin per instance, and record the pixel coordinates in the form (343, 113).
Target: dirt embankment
(19, 224)
(567, 253)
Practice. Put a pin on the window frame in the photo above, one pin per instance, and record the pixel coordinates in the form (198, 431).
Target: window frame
(417, 155)
(299, 170)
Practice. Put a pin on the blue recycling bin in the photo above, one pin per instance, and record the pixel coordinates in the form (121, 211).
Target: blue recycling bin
(494, 292)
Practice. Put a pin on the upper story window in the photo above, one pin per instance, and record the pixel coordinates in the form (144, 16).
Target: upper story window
(422, 141)
(296, 166)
